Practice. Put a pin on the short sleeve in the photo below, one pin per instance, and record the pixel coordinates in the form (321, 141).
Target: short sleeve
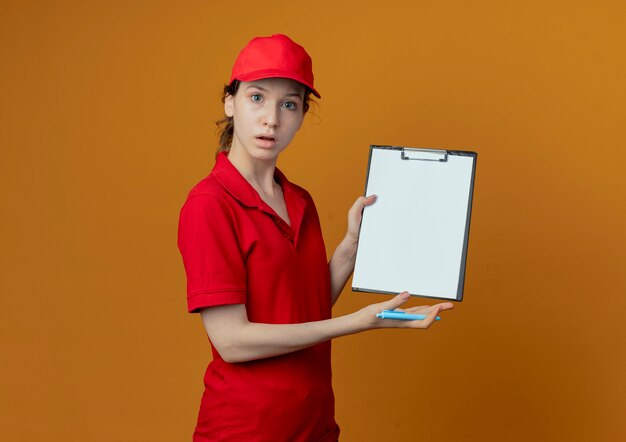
(212, 256)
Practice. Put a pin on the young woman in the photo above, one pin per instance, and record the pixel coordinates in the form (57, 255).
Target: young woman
(257, 269)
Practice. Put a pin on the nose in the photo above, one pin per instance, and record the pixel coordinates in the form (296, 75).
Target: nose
(270, 118)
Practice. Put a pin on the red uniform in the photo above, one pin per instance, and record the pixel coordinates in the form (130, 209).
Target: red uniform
(237, 250)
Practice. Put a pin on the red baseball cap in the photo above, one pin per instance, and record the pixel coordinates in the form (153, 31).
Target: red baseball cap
(277, 56)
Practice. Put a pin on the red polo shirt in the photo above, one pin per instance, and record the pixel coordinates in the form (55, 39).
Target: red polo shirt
(237, 250)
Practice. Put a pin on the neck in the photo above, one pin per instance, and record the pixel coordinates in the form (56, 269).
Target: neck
(259, 173)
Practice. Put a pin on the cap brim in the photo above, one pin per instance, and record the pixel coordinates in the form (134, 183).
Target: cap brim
(273, 73)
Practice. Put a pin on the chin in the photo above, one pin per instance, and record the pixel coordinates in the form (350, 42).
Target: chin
(265, 154)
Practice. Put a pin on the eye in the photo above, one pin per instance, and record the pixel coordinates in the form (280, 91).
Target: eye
(257, 98)
(290, 105)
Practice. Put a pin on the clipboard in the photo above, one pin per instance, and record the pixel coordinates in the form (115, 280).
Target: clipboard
(415, 236)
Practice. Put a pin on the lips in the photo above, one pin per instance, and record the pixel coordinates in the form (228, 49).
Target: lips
(266, 141)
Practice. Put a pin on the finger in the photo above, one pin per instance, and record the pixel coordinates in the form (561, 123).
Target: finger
(362, 202)
(442, 306)
(445, 306)
(395, 302)
(430, 317)
(417, 308)
(368, 200)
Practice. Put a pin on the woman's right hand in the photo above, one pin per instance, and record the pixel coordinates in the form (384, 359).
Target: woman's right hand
(369, 320)
(239, 340)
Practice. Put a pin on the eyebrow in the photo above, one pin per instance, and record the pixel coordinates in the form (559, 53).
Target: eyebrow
(261, 88)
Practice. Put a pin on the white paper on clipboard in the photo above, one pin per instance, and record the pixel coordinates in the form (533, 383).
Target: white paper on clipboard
(415, 236)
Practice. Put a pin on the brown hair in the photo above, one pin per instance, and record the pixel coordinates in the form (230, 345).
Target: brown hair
(226, 127)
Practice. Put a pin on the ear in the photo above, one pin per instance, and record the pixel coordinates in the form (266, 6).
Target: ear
(229, 102)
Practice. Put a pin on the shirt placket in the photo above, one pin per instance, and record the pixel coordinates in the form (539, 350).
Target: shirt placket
(284, 228)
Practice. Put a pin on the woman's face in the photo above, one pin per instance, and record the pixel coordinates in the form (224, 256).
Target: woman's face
(266, 116)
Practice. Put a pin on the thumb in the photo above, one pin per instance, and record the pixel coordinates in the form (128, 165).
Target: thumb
(396, 301)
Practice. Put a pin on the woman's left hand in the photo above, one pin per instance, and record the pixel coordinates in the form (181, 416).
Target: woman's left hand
(355, 215)
(341, 264)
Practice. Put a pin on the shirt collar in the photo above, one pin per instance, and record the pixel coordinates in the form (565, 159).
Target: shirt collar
(240, 189)
(234, 182)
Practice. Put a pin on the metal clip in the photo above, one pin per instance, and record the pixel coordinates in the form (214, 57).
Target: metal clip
(424, 154)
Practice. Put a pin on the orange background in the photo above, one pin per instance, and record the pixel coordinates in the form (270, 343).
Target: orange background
(107, 112)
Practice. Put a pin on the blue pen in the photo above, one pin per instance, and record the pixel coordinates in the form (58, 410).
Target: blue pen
(393, 314)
